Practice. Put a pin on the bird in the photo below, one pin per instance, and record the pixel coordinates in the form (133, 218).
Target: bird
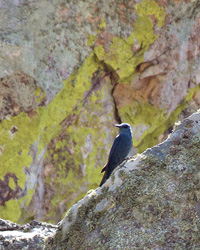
(119, 151)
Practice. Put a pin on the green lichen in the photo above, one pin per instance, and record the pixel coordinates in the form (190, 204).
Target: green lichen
(10, 211)
(39, 94)
(144, 33)
(91, 39)
(137, 113)
(102, 24)
(40, 128)
(15, 157)
(11, 184)
(15, 150)
(99, 52)
(156, 123)
(148, 7)
(69, 163)
(120, 57)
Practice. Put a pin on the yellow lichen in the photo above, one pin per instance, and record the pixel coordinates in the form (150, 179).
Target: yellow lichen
(11, 183)
(143, 32)
(148, 8)
(91, 39)
(121, 58)
(42, 127)
(143, 115)
(102, 24)
(10, 211)
(99, 52)
(39, 94)
(81, 158)
(152, 121)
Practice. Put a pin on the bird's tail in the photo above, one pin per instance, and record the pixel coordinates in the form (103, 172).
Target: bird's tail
(103, 179)
(104, 176)
(104, 168)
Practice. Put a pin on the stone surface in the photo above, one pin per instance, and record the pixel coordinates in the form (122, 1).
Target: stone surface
(150, 203)
(17, 95)
(30, 236)
(68, 72)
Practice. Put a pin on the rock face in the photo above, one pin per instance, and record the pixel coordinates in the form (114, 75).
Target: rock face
(70, 70)
(153, 202)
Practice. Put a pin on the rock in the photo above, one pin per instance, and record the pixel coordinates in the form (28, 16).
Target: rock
(70, 70)
(29, 236)
(18, 95)
(152, 202)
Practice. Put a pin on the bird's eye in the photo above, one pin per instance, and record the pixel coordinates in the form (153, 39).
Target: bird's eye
(125, 126)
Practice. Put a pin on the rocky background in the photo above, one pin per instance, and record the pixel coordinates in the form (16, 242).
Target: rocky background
(70, 70)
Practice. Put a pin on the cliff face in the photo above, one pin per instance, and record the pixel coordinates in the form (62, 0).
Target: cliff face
(68, 73)
(153, 202)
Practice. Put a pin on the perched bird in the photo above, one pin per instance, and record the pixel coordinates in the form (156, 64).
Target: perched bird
(119, 151)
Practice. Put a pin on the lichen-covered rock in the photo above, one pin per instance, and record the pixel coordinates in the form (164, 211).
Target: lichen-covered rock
(69, 70)
(153, 202)
(30, 236)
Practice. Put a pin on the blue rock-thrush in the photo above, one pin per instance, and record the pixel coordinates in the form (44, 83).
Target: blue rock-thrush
(119, 151)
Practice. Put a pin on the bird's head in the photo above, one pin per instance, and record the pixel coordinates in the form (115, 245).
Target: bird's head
(124, 127)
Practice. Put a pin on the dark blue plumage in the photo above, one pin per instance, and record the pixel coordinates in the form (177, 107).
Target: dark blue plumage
(119, 151)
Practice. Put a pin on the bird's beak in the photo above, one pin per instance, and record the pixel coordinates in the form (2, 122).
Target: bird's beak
(117, 125)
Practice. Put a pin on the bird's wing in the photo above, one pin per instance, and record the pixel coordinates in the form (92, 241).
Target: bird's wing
(116, 141)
